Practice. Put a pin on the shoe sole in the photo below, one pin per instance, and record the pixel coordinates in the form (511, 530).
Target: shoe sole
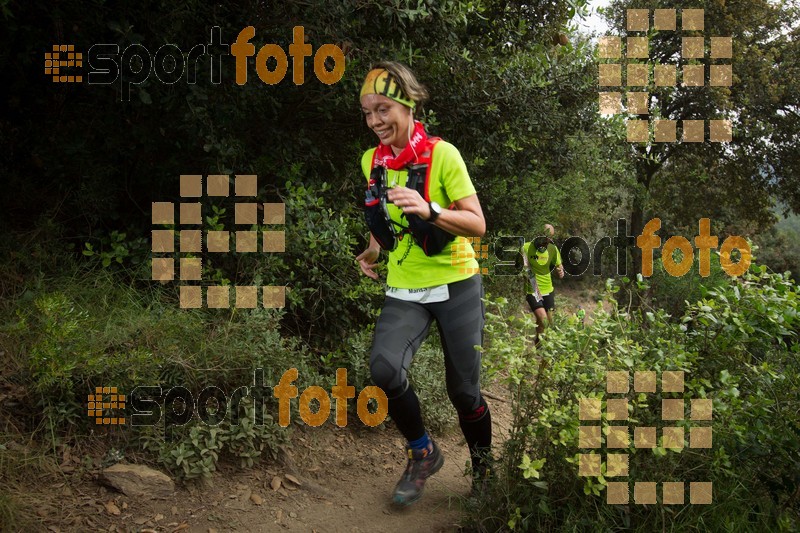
(436, 467)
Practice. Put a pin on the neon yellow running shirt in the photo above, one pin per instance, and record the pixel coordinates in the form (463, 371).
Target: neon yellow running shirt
(541, 265)
(449, 182)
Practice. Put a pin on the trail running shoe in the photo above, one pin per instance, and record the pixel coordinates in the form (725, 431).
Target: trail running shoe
(421, 465)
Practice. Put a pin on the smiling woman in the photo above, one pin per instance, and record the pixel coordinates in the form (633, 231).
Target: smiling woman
(420, 199)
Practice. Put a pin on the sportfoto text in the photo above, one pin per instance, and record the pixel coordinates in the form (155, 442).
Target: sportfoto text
(136, 63)
(509, 255)
(180, 407)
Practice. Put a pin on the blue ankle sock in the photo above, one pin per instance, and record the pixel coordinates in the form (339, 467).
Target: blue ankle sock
(421, 443)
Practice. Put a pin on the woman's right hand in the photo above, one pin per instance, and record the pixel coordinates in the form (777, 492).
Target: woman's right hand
(367, 260)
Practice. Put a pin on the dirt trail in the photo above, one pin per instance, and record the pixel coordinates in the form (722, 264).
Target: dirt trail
(346, 478)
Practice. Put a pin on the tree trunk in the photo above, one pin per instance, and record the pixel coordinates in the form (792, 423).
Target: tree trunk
(628, 294)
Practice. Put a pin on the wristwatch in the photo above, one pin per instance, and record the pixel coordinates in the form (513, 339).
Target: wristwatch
(436, 210)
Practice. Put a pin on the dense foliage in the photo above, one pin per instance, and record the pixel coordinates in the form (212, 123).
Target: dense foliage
(737, 344)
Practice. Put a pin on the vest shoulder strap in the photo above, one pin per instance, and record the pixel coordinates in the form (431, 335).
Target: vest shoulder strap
(419, 172)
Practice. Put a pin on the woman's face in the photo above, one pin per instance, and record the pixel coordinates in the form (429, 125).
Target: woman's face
(389, 120)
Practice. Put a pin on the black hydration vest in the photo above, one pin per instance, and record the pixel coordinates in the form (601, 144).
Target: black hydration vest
(429, 237)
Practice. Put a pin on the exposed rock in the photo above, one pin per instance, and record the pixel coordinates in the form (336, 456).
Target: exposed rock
(138, 481)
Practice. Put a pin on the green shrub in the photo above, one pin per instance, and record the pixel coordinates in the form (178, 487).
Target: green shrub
(352, 355)
(330, 299)
(673, 293)
(92, 332)
(193, 451)
(738, 347)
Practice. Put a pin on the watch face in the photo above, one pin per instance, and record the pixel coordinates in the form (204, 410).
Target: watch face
(436, 208)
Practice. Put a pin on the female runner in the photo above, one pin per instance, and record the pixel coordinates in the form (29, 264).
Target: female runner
(425, 284)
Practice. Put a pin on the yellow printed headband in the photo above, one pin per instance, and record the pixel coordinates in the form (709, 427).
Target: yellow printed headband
(380, 81)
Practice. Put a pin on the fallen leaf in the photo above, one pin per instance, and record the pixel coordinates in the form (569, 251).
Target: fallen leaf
(278, 515)
(141, 520)
(158, 517)
(174, 510)
(124, 505)
(112, 508)
(275, 483)
(184, 525)
(293, 479)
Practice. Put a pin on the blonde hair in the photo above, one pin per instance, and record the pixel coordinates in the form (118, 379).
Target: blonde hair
(406, 79)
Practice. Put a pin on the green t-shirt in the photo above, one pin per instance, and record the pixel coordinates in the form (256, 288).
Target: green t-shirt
(449, 182)
(541, 265)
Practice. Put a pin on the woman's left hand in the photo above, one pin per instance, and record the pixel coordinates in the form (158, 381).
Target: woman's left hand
(409, 201)
(465, 220)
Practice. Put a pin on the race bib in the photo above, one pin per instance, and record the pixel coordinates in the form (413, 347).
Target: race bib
(421, 296)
